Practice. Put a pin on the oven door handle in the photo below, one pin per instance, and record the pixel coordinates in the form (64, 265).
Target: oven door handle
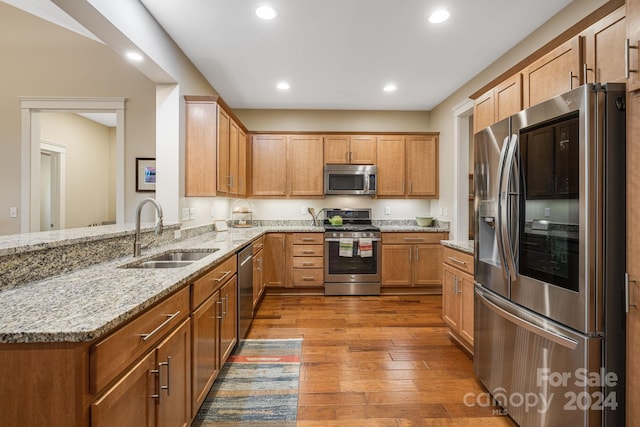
(355, 239)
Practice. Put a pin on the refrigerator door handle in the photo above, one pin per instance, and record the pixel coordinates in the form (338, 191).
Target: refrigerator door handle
(540, 331)
(505, 240)
(499, 218)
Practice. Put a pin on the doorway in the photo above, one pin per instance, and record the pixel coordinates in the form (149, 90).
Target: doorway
(52, 186)
(31, 158)
(463, 153)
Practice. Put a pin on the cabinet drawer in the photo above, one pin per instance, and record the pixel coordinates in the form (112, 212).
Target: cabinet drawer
(308, 250)
(308, 238)
(308, 262)
(111, 356)
(258, 244)
(308, 277)
(411, 238)
(460, 260)
(206, 285)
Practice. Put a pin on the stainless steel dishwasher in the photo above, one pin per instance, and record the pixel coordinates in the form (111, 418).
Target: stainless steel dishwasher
(245, 290)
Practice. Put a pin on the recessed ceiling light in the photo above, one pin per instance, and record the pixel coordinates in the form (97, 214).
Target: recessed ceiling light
(266, 12)
(134, 56)
(390, 88)
(283, 86)
(439, 16)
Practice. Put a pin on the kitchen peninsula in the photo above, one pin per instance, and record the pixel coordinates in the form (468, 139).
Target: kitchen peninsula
(54, 330)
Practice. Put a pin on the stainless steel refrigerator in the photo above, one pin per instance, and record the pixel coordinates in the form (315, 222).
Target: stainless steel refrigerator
(550, 260)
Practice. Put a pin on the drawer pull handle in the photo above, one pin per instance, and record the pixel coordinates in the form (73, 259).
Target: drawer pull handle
(308, 279)
(308, 239)
(306, 264)
(308, 252)
(420, 239)
(170, 317)
(458, 261)
(258, 245)
(219, 279)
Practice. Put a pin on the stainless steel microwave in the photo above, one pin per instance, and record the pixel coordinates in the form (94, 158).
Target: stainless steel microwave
(358, 180)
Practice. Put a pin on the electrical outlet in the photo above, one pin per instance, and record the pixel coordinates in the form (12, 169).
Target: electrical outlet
(547, 212)
(192, 213)
(387, 210)
(303, 210)
(184, 215)
(444, 211)
(13, 212)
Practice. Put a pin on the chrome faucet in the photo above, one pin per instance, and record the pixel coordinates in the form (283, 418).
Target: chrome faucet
(137, 244)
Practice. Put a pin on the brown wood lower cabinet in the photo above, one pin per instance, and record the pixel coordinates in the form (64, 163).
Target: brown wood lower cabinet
(209, 300)
(205, 337)
(229, 318)
(275, 260)
(457, 295)
(155, 392)
(128, 402)
(307, 262)
(412, 260)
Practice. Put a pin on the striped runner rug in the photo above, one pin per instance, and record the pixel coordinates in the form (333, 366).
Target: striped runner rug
(258, 386)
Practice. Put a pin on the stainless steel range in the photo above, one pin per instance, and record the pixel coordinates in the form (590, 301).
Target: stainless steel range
(352, 253)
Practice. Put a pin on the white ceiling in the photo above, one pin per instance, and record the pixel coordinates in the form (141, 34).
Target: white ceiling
(337, 54)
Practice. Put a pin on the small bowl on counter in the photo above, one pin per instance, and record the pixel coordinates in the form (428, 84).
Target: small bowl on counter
(424, 221)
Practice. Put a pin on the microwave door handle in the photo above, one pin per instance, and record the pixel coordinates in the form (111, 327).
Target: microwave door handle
(505, 206)
(499, 219)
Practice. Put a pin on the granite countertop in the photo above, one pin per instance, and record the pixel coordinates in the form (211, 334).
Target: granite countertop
(20, 243)
(460, 245)
(413, 229)
(86, 304)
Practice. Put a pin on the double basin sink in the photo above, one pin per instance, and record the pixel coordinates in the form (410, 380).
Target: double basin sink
(172, 259)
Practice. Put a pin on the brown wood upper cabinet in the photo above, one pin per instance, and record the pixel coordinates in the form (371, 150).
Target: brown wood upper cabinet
(232, 156)
(555, 73)
(287, 165)
(498, 103)
(350, 149)
(407, 166)
(215, 149)
(604, 44)
(200, 146)
(595, 55)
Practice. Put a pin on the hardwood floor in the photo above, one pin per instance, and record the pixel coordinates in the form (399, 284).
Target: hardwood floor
(376, 361)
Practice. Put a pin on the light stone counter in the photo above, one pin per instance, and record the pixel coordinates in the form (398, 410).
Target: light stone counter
(88, 303)
(461, 245)
(413, 229)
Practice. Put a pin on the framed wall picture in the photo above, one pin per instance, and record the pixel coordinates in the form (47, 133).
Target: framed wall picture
(145, 174)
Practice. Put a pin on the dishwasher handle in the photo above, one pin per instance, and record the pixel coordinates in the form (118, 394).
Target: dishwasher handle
(246, 260)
